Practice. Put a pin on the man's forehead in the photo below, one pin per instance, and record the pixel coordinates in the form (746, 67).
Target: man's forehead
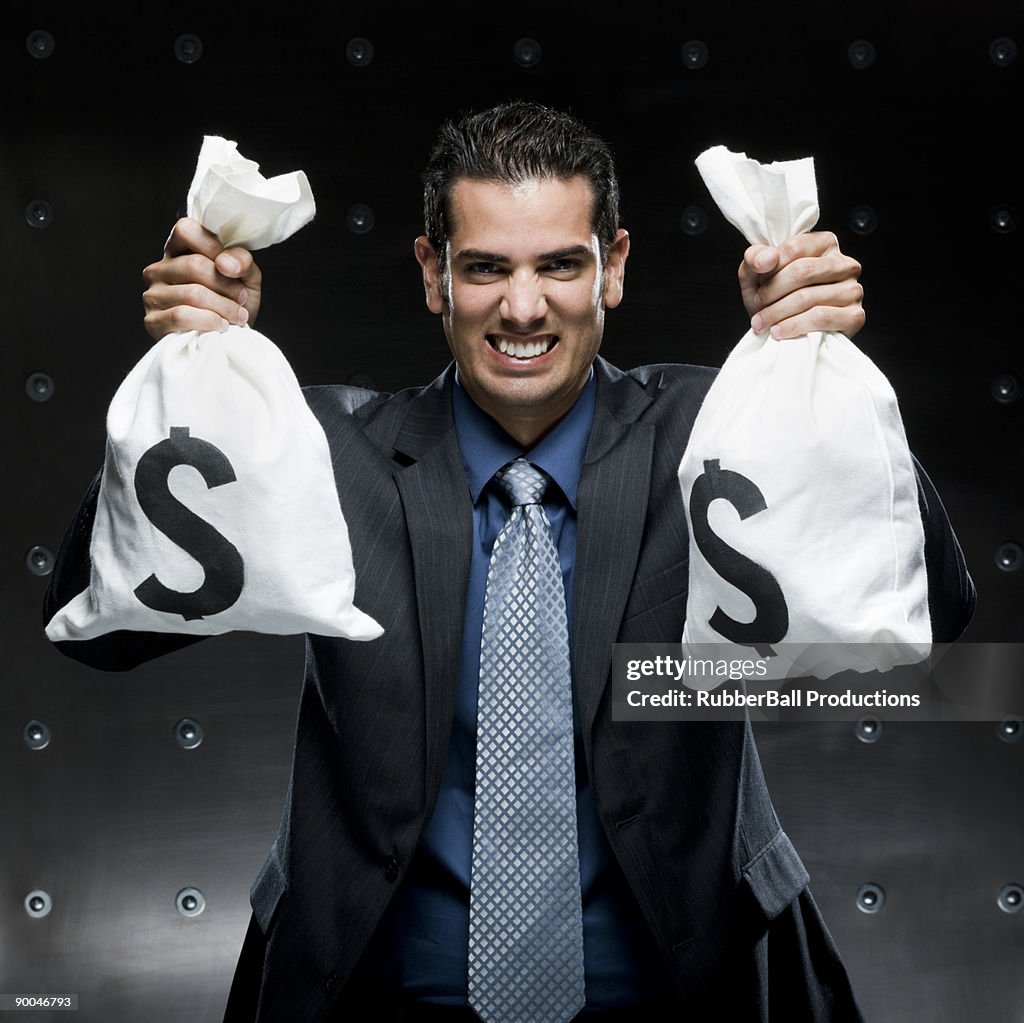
(554, 211)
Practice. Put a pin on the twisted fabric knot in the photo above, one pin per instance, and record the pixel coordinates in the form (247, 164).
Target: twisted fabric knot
(522, 481)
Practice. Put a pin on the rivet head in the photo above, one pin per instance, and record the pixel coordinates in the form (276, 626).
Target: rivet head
(694, 54)
(188, 733)
(863, 220)
(39, 560)
(359, 51)
(1009, 556)
(38, 903)
(868, 728)
(1002, 51)
(693, 221)
(861, 54)
(39, 214)
(360, 218)
(870, 898)
(190, 902)
(1011, 898)
(40, 44)
(527, 52)
(1010, 729)
(36, 735)
(188, 48)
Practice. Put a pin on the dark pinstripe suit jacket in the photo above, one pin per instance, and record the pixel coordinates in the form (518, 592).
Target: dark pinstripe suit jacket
(684, 805)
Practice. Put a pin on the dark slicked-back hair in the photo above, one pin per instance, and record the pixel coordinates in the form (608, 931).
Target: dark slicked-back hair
(513, 143)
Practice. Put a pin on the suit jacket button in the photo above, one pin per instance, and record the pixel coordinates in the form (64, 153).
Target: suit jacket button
(331, 983)
(391, 869)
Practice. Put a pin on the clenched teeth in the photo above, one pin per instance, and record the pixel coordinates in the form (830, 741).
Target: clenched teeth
(521, 349)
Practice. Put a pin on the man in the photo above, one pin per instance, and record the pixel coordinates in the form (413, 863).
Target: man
(693, 901)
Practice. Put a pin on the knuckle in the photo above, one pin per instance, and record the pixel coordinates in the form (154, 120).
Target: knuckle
(185, 228)
(178, 316)
(179, 232)
(196, 266)
(193, 295)
(154, 298)
(157, 325)
(798, 247)
(804, 270)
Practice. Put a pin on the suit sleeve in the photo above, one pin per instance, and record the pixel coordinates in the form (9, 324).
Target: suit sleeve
(951, 594)
(114, 651)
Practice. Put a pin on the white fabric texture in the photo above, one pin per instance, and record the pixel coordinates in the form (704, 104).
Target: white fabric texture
(218, 509)
(806, 539)
(230, 197)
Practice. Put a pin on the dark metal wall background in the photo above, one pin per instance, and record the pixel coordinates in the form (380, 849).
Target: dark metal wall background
(101, 121)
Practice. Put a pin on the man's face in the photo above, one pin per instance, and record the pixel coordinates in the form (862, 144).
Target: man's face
(522, 295)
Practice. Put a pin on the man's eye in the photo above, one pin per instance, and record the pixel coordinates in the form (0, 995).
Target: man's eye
(564, 265)
(483, 269)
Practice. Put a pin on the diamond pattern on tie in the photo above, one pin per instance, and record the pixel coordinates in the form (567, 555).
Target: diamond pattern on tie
(526, 922)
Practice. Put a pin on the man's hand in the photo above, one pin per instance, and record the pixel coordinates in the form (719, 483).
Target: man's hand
(199, 285)
(804, 284)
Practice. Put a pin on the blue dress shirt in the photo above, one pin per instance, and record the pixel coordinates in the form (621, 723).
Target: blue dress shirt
(421, 948)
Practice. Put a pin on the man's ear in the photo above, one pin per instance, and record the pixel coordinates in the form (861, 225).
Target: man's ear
(427, 259)
(615, 269)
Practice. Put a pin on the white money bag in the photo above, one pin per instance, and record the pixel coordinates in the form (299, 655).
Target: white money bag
(217, 508)
(806, 541)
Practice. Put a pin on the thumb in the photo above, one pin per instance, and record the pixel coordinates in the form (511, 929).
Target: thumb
(762, 259)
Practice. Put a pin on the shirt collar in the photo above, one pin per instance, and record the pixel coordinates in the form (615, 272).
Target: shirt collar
(486, 447)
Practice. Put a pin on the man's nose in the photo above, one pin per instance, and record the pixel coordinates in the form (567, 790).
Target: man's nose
(524, 301)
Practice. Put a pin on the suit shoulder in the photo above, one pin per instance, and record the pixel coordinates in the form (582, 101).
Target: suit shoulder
(332, 402)
(673, 376)
(672, 387)
(338, 400)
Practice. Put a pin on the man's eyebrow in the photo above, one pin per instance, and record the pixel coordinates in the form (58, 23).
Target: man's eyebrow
(480, 256)
(572, 250)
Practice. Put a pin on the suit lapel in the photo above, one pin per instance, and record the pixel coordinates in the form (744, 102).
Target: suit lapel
(438, 514)
(611, 510)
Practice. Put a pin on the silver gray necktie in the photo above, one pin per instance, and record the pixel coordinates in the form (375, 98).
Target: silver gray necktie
(525, 920)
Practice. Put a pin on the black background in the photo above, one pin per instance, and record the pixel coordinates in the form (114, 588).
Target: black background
(113, 818)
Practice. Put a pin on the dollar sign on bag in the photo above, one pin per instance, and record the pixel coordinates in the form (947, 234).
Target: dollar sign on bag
(771, 620)
(218, 556)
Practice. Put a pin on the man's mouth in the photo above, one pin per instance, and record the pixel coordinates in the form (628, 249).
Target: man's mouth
(522, 348)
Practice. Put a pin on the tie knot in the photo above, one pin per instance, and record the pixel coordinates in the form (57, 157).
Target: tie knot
(522, 481)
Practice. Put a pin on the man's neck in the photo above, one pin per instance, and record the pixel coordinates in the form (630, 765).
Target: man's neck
(530, 428)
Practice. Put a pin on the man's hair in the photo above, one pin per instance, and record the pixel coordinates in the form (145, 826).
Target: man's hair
(513, 143)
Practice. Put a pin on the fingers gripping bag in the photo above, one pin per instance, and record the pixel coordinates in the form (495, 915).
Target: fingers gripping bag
(806, 541)
(217, 508)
